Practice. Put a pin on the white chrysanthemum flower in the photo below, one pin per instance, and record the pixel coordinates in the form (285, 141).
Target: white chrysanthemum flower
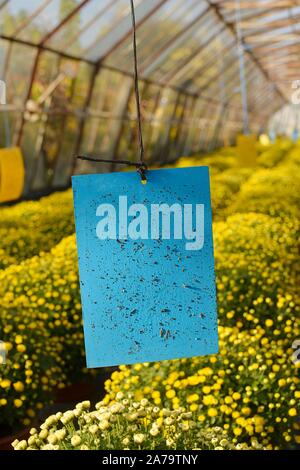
(43, 434)
(84, 405)
(50, 421)
(168, 421)
(89, 418)
(117, 408)
(132, 416)
(99, 405)
(139, 438)
(224, 442)
(22, 445)
(103, 425)
(254, 444)
(76, 440)
(217, 429)
(184, 426)
(52, 439)
(93, 429)
(133, 427)
(60, 434)
(154, 431)
(239, 447)
(32, 440)
(187, 415)
(67, 417)
(102, 409)
(104, 416)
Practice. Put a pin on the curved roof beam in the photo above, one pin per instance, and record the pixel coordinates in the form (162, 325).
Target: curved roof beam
(170, 76)
(160, 55)
(252, 4)
(33, 15)
(118, 35)
(64, 22)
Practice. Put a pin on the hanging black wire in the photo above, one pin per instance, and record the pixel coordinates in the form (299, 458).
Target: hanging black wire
(140, 164)
(136, 85)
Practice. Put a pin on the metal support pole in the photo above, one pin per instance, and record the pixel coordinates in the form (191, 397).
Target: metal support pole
(116, 129)
(175, 145)
(165, 144)
(191, 128)
(153, 123)
(82, 121)
(19, 133)
(223, 106)
(241, 57)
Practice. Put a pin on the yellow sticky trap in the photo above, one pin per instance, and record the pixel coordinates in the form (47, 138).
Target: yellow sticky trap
(264, 140)
(246, 150)
(12, 174)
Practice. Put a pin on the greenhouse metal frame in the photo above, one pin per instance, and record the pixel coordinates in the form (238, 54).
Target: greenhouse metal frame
(68, 67)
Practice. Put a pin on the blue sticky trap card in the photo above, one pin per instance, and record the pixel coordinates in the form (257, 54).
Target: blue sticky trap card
(146, 265)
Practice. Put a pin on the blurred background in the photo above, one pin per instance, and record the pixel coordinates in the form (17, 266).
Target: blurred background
(208, 70)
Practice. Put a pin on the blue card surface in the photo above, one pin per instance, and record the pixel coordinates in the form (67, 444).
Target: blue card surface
(146, 265)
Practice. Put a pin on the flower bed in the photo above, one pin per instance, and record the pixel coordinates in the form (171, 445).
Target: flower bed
(256, 260)
(128, 424)
(271, 155)
(41, 306)
(273, 192)
(251, 388)
(29, 228)
(33, 369)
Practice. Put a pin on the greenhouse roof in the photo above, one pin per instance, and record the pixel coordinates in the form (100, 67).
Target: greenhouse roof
(173, 35)
(208, 69)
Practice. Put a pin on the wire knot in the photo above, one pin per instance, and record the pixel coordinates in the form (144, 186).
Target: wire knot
(141, 169)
